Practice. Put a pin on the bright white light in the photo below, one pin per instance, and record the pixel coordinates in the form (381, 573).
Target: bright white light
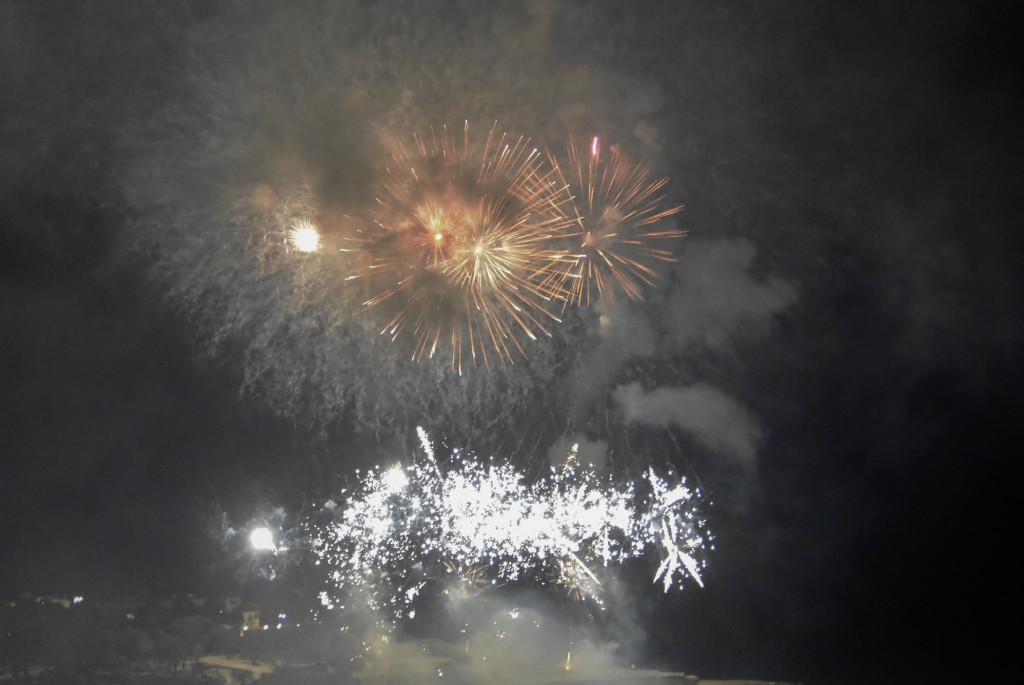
(486, 524)
(304, 236)
(262, 539)
(395, 480)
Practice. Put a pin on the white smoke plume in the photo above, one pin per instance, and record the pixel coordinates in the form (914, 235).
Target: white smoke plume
(715, 297)
(706, 413)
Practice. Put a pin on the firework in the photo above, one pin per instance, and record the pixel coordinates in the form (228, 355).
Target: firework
(465, 583)
(464, 246)
(262, 539)
(406, 527)
(618, 218)
(304, 236)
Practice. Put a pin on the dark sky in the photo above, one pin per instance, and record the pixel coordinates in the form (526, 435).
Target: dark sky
(836, 354)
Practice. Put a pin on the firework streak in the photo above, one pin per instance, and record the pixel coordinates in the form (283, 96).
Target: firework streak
(466, 523)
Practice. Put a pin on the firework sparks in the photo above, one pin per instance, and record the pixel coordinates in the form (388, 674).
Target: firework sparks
(618, 216)
(579, 581)
(408, 526)
(466, 583)
(304, 236)
(464, 246)
(262, 539)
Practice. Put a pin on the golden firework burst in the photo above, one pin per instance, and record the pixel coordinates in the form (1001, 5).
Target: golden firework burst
(465, 246)
(618, 218)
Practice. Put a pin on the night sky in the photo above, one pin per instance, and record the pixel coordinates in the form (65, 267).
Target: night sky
(835, 355)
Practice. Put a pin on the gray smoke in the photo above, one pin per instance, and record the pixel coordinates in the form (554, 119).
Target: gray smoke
(716, 297)
(706, 413)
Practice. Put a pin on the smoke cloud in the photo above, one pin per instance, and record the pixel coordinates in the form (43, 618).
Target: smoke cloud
(492, 641)
(716, 297)
(706, 413)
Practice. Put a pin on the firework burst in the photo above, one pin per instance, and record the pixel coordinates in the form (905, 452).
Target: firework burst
(304, 236)
(464, 245)
(618, 219)
(474, 525)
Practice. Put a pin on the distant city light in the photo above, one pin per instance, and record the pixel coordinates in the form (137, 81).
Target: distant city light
(262, 539)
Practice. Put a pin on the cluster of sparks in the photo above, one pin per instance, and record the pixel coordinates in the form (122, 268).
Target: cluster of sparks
(468, 526)
(617, 215)
(464, 240)
(473, 249)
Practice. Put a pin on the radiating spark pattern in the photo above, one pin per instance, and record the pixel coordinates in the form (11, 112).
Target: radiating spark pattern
(406, 527)
(465, 244)
(304, 236)
(619, 224)
(466, 582)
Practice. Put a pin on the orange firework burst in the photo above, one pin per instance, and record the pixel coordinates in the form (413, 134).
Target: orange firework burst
(464, 245)
(618, 214)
